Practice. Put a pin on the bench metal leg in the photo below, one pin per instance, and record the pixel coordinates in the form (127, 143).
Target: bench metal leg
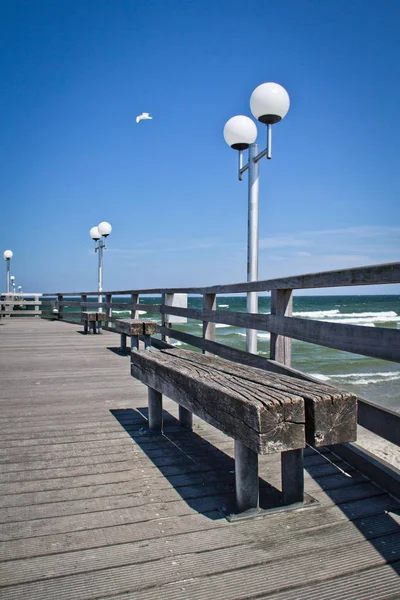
(85, 328)
(246, 477)
(122, 346)
(185, 418)
(93, 324)
(135, 343)
(292, 476)
(155, 410)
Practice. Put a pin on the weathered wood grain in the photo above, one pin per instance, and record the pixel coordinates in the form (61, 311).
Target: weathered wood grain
(263, 418)
(331, 414)
(129, 327)
(377, 342)
(123, 504)
(89, 316)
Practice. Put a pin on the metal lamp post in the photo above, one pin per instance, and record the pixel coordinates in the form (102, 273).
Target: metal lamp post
(12, 279)
(269, 103)
(7, 257)
(99, 234)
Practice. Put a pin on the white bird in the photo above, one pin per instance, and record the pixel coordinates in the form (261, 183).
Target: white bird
(142, 117)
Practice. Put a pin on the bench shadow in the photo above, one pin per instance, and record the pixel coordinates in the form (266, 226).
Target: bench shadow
(367, 506)
(202, 474)
(116, 350)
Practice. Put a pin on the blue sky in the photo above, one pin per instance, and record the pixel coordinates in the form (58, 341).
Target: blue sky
(76, 73)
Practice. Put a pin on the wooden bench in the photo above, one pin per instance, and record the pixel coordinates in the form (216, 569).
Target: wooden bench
(93, 321)
(134, 329)
(263, 412)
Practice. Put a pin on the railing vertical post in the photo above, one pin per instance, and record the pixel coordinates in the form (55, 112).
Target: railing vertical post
(134, 300)
(108, 309)
(36, 307)
(60, 306)
(281, 346)
(165, 319)
(281, 351)
(209, 303)
(83, 306)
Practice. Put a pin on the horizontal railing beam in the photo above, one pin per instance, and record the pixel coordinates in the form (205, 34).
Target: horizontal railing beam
(370, 275)
(377, 342)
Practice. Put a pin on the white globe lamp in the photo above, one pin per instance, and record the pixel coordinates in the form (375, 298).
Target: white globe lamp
(8, 254)
(269, 103)
(104, 228)
(95, 233)
(240, 132)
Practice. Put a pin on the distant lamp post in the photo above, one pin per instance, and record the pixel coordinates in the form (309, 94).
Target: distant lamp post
(7, 257)
(99, 234)
(12, 279)
(269, 103)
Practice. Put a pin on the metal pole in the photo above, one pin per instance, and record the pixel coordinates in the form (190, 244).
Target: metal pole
(8, 275)
(252, 244)
(269, 141)
(100, 274)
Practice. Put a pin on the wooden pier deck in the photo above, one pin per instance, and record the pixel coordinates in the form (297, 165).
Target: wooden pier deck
(93, 506)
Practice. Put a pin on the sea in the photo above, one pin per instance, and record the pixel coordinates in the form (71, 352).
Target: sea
(369, 378)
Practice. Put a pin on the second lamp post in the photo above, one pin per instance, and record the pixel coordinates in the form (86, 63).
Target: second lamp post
(269, 103)
(99, 234)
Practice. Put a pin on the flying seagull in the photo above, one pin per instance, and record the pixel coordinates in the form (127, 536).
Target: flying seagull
(142, 117)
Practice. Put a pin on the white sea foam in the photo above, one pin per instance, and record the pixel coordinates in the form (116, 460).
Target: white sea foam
(359, 378)
(367, 319)
(177, 343)
(263, 335)
(317, 314)
(319, 376)
(122, 312)
(223, 305)
(217, 325)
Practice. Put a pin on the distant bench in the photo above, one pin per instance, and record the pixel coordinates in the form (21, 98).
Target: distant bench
(134, 329)
(263, 412)
(93, 321)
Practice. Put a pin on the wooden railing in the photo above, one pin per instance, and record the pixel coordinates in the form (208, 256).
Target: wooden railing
(376, 342)
(20, 305)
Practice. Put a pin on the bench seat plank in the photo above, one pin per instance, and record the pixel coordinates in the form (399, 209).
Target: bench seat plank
(238, 404)
(331, 414)
(88, 316)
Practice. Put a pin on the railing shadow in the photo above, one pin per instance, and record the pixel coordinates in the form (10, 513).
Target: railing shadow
(366, 505)
(202, 474)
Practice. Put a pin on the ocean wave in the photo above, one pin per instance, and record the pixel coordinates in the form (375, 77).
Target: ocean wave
(265, 335)
(317, 314)
(223, 305)
(388, 315)
(128, 312)
(363, 322)
(359, 378)
(366, 319)
(217, 325)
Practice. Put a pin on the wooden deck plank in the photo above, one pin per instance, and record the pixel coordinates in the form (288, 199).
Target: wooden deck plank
(93, 506)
